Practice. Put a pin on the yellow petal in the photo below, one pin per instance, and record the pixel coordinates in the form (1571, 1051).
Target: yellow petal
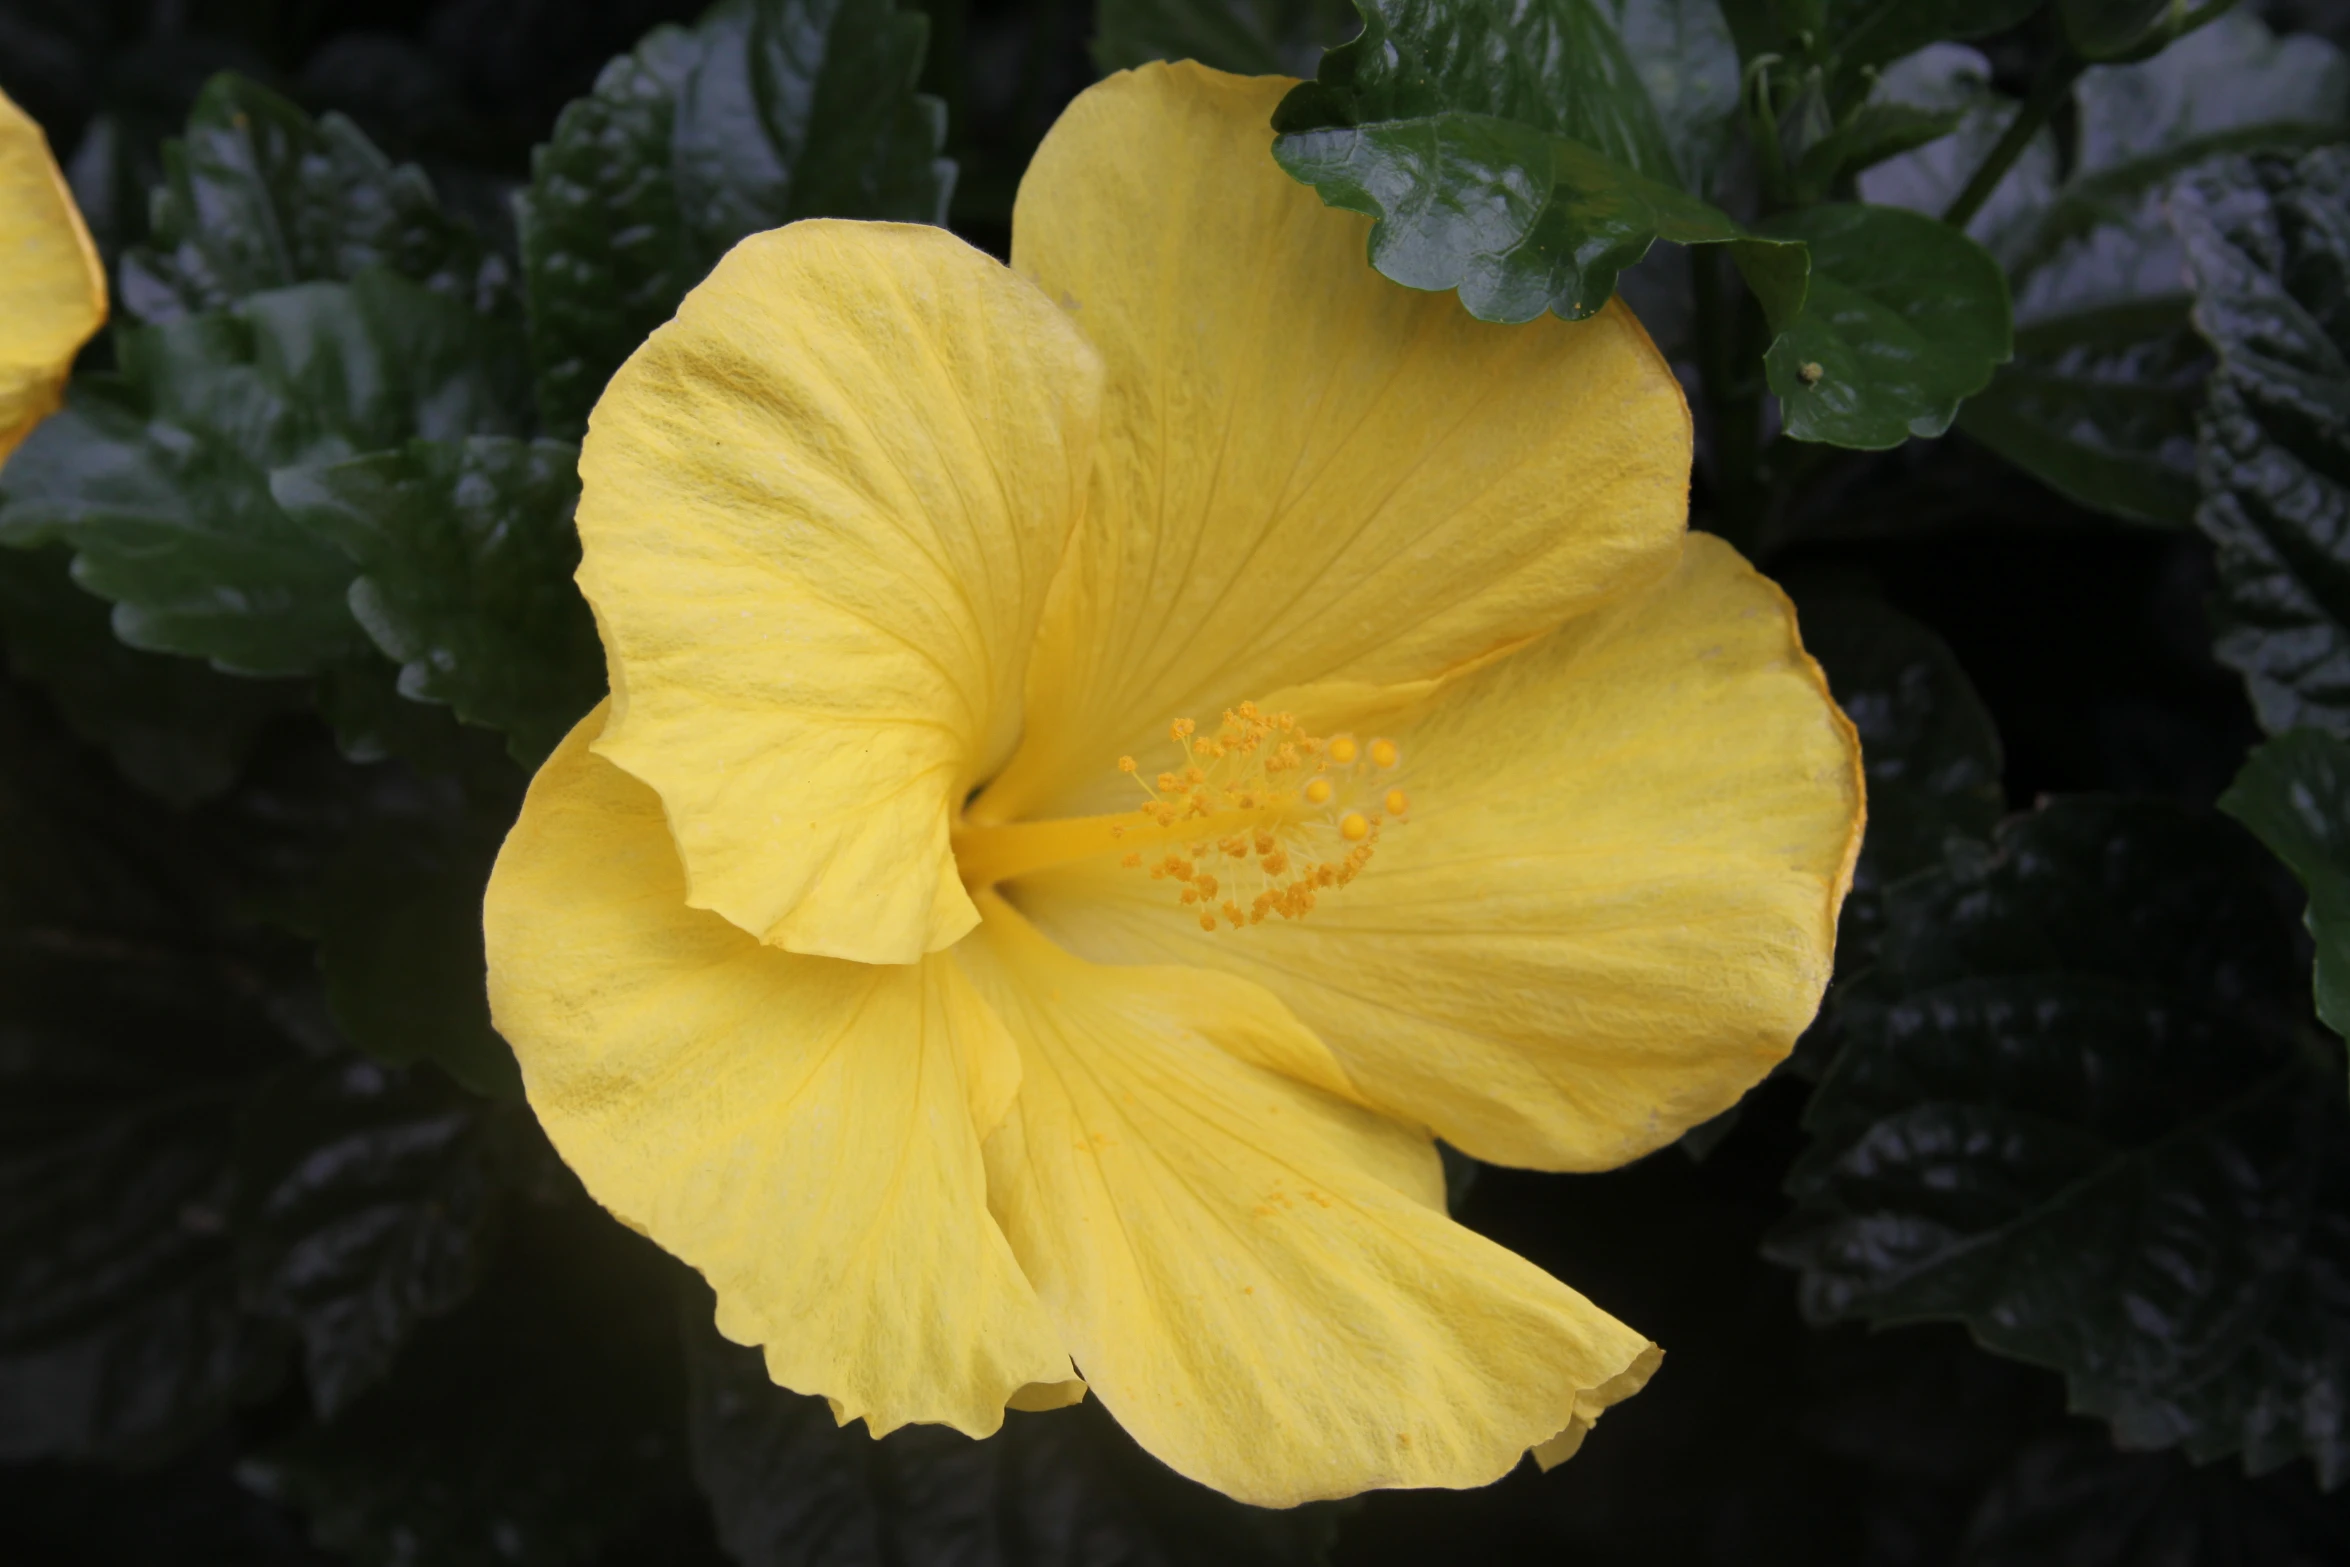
(1251, 1272)
(821, 509)
(799, 1129)
(52, 286)
(1611, 906)
(1305, 472)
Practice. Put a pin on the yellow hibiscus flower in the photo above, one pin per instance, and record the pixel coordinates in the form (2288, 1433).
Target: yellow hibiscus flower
(1105, 758)
(52, 286)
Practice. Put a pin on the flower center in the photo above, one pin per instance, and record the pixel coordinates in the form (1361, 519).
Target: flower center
(1254, 821)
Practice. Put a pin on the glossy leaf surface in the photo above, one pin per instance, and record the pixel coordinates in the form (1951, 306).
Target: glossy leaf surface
(366, 1204)
(465, 552)
(2294, 793)
(159, 477)
(257, 195)
(1245, 37)
(767, 111)
(2270, 248)
(2099, 400)
(539, 1424)
(1905, 317)
(1512, 155)
(2079, 1106)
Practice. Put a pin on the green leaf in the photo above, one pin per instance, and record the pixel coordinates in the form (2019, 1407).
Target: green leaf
(2108, 29)
(1245, 37)
(2099, 406)
(2080, 1108)
(1553, 67)
(2294, 793)
(2099, 397)
(399, 940)
(539, 1424)
(2070, 1500)
(1951, 79)
(2270, 248)
(158, 476)
(258, 196)
(361, 702)
(1845, 35)
(365, 1207)
(605, 250)
(465, 553)
(1870, 32)
(1684, 57)
(129, 1039)
(1874, 133)
(790, 1488)
(768, 111)
(1905, 317)
(1536, 223)
(1512, 155)
(1927, 743)
(176, 728)
(2232, 86)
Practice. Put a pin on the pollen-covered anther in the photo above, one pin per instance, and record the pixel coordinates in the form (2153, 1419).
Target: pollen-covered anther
(1293, 813)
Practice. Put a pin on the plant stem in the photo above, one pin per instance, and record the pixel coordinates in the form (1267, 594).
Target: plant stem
(2055, 81)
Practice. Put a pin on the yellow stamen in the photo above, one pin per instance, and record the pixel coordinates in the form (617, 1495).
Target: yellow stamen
(1354, 827)
(1397, 802)
(1343, 750)
(1318, 792)
(1384, 753)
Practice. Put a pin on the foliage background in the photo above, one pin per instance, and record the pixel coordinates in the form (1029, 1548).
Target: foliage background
(287, 1276)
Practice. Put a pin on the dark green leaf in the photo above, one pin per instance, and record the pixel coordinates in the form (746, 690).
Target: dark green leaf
(1518, 221)
(1951, 79)
(2230, 87)
(2099, 406)
(604, 248)
(1683, 55)
(2294, 793)
(1513, 155)
(158, 477)
(2270, 249)
(770, 110)
(2109, 29)
(360, 700)
(2098, 400)
(2071, 1501)
(465, 554)
(1246, 37)
(534, 1425)
(1928, 744)
(259, 196)
(366, 1203)
(128, 1042)
(399, 940)
(1063, 1489)
(1874, 133)
(2079, 1107)
(1845, 35)
(1905, 317)
(1552, 67)
(173, 726)
(1870, 32)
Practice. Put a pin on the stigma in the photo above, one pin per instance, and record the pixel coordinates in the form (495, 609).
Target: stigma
(1279, 816)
